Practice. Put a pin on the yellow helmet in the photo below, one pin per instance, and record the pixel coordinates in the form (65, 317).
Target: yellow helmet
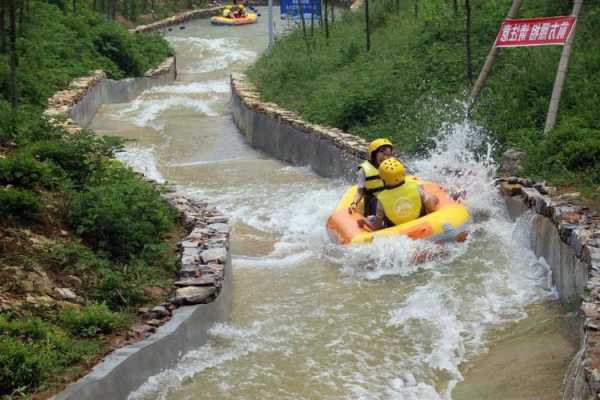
(242, 7)
(228, 7)
(377, 144)
(392, 172)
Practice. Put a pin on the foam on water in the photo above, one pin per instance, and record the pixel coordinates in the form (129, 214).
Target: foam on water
(146, 112)
(216, 53)
(215, 86)
(142, 160)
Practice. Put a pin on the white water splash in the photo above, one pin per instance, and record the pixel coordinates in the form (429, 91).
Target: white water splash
(142, 160)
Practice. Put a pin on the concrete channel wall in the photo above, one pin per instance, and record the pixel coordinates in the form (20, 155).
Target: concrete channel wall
(109, 91)
(203, 286)
(124, 370)
(282, 134)
(565, 235)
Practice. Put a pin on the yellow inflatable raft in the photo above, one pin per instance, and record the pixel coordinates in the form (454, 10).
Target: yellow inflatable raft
(250, 18)
(448, 222)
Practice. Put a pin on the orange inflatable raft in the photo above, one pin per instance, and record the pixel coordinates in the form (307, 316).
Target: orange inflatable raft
(448, 222)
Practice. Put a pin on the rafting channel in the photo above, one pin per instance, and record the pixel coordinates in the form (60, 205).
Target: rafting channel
(311, 320)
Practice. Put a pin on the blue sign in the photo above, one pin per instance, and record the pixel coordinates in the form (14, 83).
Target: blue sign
(291, 8)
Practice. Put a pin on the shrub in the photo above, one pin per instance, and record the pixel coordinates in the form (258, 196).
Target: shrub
(21, 205)
(75, 257)
(133, 55)
(118, 288)
(32, 350)
(92, 320)
(77, 154)
(21, 365)
(570, 153)
(25, 171)
(120, 214)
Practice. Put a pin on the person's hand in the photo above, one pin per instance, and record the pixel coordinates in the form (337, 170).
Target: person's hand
(363, 223)
(352, 207)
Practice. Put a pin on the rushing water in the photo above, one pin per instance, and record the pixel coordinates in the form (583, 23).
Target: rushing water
(311, 320)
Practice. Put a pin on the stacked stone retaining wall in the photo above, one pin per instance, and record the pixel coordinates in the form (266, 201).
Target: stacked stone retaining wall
(565, 235)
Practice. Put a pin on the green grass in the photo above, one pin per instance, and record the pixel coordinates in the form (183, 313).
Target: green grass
(413, 79)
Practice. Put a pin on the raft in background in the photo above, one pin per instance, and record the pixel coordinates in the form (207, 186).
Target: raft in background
(250, 18)
(449, 222)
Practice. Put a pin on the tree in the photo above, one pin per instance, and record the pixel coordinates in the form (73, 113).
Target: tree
(2, 26)
(455, 7)
(416, 8)
(367, 27)
(303, 23)
(12, 59)
(469, 62)
(312, 18)
(326, 20)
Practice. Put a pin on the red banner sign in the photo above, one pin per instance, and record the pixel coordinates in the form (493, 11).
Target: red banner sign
(535, 31)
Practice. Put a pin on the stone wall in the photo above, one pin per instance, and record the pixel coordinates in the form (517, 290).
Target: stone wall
(330, 152)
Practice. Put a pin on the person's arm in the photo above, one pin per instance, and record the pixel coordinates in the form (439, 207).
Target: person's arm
(360, 193)
(430, 202)
(379, 219)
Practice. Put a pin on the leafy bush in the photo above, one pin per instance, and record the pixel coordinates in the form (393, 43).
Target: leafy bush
(570, 153)
(77, 154)
(75, 257)
(116, 44)
(31, 350)
(91, 320)
(21, 366)
(25, 171)
(119, 286)
(21, 205)
(133, 55)
(119, 214)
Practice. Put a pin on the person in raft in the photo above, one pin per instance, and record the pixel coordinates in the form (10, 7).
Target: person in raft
(241, 12)
(401, 201)
(369, 181)
(227, 12)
